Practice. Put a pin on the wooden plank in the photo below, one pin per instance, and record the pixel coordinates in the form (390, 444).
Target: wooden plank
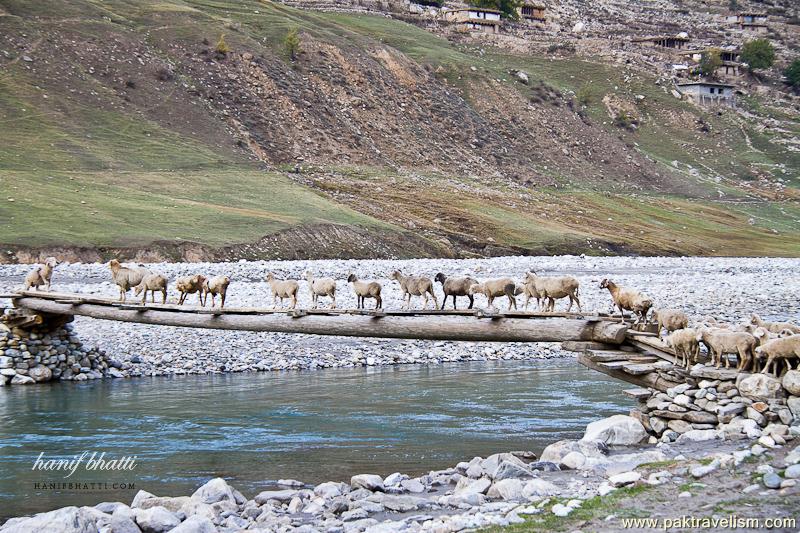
(638, 393)
(614, 365)
(9, 295)
(603, 356)
(653, 379)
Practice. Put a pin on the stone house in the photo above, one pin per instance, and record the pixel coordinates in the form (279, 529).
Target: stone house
(532, 11)
(474, 19)
(750, 21)
(731, 66)
(708, 93)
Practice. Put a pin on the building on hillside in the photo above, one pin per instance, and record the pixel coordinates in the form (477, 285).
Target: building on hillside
(474, 19)
(677, 42)
(731, 66)
(708, 93)
(532, 11)
(749, 21)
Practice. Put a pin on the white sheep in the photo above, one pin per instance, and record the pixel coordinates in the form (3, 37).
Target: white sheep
(218, 285)
(364, 290)
(189, 285)
(774, 327)
(493, 288)
(415, 286)
(783, 349)
(684, 342)
(763, 335)
(41, 275)
(554, 288)
(152, 283)
(126, 278)
(283, 289)
(721, 342)
(321, 287)
(670, 320)
(628, 299)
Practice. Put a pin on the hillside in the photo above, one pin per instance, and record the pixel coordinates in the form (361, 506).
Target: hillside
(126, 133)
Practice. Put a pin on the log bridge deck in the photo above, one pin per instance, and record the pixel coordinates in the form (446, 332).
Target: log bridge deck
(606, 344)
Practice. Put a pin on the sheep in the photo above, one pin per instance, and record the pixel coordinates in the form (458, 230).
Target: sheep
(456, 287)
(628, 299)
(214, 286)
(554, 288)
(415, 286)
(152, 283)
(670, 320)
(497, 287)
(283, 289)
(126, 278)
(762, 336)
(364, 290)
(783, 348)
(189, 285)
(41, 275)
(321, 287)
(773, 327)
(684, 342)
(722, 342)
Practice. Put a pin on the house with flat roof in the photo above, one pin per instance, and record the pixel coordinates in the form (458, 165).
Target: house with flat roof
(474, 19)
(677, 42)
(754, 22)
(532, 11)
(708, 93)
(731, 66)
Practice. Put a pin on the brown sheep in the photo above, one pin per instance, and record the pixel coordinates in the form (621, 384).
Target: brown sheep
(126, 278)
(364, 290)
(189, 285)
(456, 287)
(415, 286)
(628, 299)
(773, 327)
(685, 344)
(217, 285)
(41, 275)
(670, 320)
(152, 283)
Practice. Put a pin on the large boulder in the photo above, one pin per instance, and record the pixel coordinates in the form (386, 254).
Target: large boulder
(556, 452)
(40, 373)
(617, 430)
(539, 488)
(791, 382)
(510, 470)
(759, 387)
(64, 520)
(215, 490)
(195, 524)
(466, 485)
(282, 496)
(507, 489)
(156, 520)
(371, 482)
(493, 462)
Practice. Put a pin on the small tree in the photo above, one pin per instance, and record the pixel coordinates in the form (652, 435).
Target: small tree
(710, 61)
(792, 74)
(507, 8)
(292, 43)
(584, 95)
(758, 54)
(222, 47)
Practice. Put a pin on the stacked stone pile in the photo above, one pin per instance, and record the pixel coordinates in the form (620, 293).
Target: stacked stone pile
(36, 355)
(720, 403)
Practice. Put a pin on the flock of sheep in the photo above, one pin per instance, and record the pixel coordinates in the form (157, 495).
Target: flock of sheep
(758, 345)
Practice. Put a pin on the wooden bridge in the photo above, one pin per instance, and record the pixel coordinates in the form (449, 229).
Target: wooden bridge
(605, 344)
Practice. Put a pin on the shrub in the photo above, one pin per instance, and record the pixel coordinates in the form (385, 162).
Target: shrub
(710, 61)
(624, 120)
(792, 74)
(758, 54)
(584, 95)
(222, 47)
(292, 43)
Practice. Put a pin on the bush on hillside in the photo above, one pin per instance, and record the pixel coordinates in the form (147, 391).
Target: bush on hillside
(507, 8)
(792, 74)
(758, 54)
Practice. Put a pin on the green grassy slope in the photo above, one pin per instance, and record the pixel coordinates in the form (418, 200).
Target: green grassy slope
(74, 173)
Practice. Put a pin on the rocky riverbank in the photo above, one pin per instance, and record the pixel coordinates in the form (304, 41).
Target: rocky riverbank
(729, 289)
(583, 478)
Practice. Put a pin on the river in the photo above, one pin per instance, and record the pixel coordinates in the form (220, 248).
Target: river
(253, 429)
